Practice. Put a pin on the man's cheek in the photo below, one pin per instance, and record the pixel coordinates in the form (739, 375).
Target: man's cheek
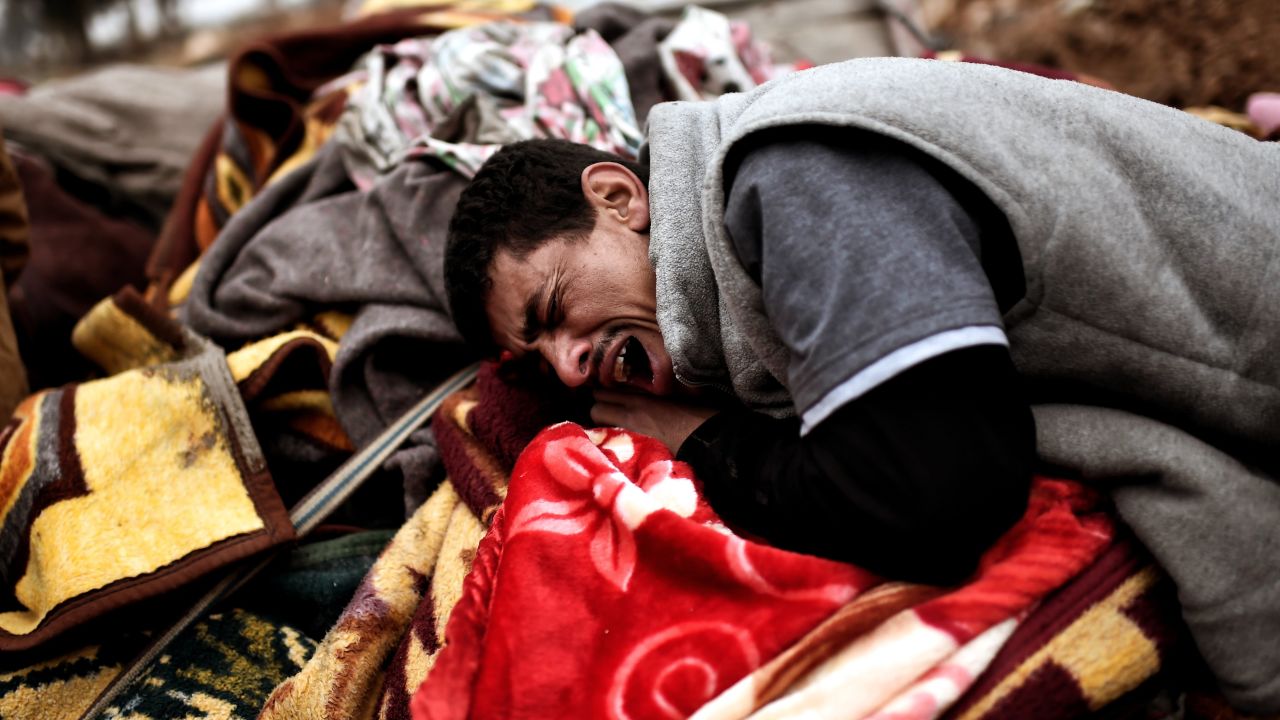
(527, 367)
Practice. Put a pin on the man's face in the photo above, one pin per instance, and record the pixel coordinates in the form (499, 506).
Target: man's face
(587, 307)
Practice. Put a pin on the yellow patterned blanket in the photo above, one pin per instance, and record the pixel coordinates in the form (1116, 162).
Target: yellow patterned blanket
(120, 489)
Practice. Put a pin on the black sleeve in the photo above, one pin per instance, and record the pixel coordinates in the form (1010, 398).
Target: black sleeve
(913, 480)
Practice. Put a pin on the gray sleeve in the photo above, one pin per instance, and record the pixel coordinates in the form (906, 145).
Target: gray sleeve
(867, 262)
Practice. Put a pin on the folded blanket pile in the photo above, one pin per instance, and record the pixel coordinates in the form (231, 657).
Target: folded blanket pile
(359, 228)
(329, 356)
(311, 242)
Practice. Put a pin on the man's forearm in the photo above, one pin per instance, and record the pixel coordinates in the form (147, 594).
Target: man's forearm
(913, 480)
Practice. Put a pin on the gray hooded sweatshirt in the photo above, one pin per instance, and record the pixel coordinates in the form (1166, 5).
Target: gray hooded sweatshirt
(1150, 242)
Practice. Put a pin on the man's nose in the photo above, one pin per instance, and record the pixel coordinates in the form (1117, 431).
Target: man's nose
(571, 358)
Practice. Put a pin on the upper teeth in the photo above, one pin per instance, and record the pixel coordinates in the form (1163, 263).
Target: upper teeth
(621, 372)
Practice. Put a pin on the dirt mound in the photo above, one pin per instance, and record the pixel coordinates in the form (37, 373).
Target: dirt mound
(1178, 52)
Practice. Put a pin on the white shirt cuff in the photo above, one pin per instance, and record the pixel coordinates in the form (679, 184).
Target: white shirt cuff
(897, 361)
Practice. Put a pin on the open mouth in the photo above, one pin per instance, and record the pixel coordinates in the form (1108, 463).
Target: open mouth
(632, 362)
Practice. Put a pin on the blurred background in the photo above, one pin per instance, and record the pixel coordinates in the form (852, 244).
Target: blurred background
(1178, 52)
(51, 37)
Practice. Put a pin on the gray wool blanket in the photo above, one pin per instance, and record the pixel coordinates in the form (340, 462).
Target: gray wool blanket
(128, 129)
(311, 242)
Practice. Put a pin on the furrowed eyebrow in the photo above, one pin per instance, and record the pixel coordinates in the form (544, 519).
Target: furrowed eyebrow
(532, 327)
(532, 323)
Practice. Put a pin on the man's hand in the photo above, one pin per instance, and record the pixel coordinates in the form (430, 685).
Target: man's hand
(668, 421)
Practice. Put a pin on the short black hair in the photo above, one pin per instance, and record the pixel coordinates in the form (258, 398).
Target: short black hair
(526, 194)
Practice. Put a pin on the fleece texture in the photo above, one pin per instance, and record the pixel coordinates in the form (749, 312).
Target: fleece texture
(1149, 240)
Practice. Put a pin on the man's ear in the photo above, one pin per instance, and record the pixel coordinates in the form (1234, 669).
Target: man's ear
(618, 192)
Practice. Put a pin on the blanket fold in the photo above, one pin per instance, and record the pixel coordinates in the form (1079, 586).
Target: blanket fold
(120, 489)
(606, 587)
(1112, 629)
(376, 655)
(309, 244)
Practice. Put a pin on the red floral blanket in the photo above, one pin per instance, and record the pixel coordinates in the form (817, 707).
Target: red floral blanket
(606, 587)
